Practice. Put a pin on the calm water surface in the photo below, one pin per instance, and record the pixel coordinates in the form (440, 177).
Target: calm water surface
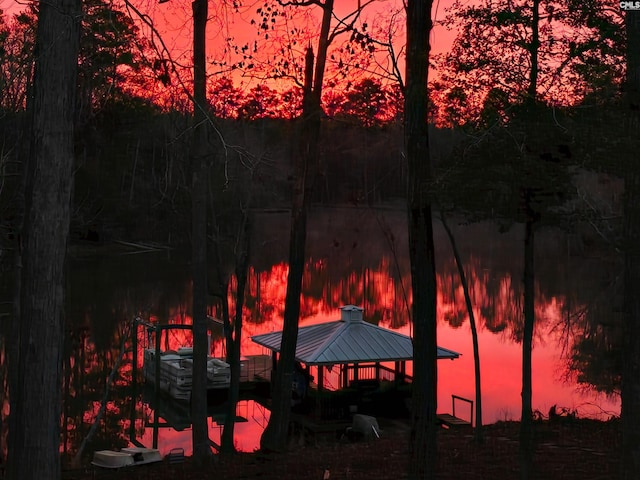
(355, 256)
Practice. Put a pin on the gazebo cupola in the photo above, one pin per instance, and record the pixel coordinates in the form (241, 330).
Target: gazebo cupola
(351, 313)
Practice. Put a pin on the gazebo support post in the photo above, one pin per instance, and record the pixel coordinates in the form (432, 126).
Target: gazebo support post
(274, 362)
(320, 389)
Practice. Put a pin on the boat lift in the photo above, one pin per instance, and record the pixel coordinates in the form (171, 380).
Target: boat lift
(156, 328)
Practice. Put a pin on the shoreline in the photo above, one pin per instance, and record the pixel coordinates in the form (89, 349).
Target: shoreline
(566, 448)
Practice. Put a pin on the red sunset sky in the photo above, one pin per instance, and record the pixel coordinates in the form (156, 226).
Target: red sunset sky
(173, 21)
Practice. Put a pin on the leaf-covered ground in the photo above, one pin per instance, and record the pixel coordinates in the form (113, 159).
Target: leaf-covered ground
(565, 450)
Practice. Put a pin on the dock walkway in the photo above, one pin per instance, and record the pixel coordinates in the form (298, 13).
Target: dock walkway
(450, 420)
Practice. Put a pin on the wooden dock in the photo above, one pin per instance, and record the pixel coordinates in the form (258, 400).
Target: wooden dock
(450, 420)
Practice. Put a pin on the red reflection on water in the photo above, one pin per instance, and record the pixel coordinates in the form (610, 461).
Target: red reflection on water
(253, 420)
(501, 364)
(497, 312)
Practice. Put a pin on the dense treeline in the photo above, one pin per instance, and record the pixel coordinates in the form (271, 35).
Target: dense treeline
(130, 176)
(133, 141)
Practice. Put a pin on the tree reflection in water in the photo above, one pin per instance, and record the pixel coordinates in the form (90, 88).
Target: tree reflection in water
(356, 256)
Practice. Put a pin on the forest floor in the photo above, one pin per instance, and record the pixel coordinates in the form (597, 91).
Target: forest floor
(566, 449)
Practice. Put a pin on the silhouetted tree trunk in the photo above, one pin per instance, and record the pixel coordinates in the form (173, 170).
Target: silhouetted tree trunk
(276, 434)
(631, 349)
(305, 163)
(234, 341)
(478, 434)
(200, 432)
(36, 395)
(526, 421)
(423, 453)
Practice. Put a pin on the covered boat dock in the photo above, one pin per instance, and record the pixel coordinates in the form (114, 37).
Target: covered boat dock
(349, 355)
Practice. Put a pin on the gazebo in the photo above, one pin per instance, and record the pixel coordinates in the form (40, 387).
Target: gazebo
(363, 352)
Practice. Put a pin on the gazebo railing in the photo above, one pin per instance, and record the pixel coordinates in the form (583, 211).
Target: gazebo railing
(370, 372)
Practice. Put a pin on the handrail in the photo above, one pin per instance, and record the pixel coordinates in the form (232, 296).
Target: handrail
(462, 399)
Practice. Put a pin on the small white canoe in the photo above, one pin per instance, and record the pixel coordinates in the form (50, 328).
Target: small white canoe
(126, 457)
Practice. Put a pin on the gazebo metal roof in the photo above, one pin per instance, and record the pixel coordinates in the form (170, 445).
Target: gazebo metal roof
(348, 340)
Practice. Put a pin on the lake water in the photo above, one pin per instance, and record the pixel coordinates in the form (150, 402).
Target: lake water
(355, 256)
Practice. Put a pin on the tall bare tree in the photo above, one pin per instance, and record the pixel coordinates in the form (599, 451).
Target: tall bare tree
(276, 434)
(478, 431)
(36, 395)
(305, 163)
(199, 166)
(631, 349)
(305, 166)
(234, 332)
(422, 462)
(526, 420)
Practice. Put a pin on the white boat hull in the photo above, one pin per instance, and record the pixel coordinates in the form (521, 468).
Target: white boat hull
(127, 457)
(143, 455)
(176, 372)
(112, 459)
